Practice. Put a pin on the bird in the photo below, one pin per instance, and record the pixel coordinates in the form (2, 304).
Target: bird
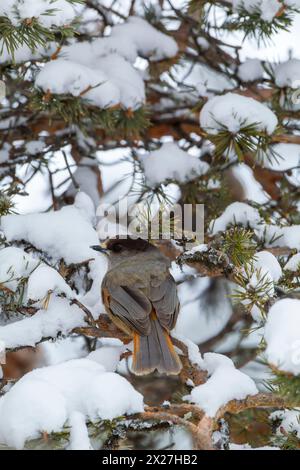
(140, 296)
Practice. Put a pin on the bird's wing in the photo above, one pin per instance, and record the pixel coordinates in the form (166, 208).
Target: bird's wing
(131, 307)
(165, 302)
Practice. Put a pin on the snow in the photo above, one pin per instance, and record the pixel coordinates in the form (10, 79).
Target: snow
(149, 41)
(267, 8)
(293, 263)
(237, 213)
(225, 383)
(251, 70)
(108, 354)
(282, 335)
(63, 234)
(209, 309)
(202, 248)
(263, 268)
(102, 71)
(274, 235)
(289, 421)
(59, 318)
(46, 399)
(203, 43)
(23, 53)
(15, 264)
(292, 3)
(287, 74)
(247, 447)
(267, 263)
(193, 351)
(233, 112)
(62, 11)
(34, 146)
(79, 437)
(291, 237)
(117, 82)
(45, 279)
(287, 156)
(170, 162)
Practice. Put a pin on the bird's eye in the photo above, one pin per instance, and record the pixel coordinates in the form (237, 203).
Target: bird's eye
(117, 248)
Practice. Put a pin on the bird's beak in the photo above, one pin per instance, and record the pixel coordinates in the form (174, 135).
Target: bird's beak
(100, 249)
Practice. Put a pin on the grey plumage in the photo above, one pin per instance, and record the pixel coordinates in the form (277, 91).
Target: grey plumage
(143, 301)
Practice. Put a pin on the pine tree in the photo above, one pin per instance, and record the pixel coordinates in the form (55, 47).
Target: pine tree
(162, 89)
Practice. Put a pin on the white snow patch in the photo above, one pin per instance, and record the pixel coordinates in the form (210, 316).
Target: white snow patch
(268, 9)
(15, 264)
(44, 401)
(45, 279)
(63, 234)
(149, 41)
(237, 213)
(62, 11)
(282, 335)
(287, 74)
(293, 263)
(225, 383)
(59, 317)
(251, 70)
(233, 112)
(170, 162)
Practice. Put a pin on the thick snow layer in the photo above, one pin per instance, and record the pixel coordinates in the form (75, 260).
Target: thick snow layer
(237, 213)
(274, 235)
(79, 436)
(59, 318)
(267, 8)
(282, 335)
(264, 269)
(60, 12)
(292, 3)
(251, 70)
(65, 233)
(116, 82)
(267, 263)
(170, 162)
(32, 147)
(44, 401)
(286, 156)
(225, 383)
(149, 41)
(15, 264)
(287, 74)
(232, 111)
(290, 237)
(108, 354)
(45, 279)
(293, 263)
(102, 71)
(193, 351)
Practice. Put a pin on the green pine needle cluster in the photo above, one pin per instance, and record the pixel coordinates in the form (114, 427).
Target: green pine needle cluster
(75, 110)
(251, 294)
(248, 140)
(31, 33)
(238, 244)
(254, 26)
(286, 386)
(6, 204)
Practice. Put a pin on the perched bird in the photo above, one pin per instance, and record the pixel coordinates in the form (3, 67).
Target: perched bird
(140, 297)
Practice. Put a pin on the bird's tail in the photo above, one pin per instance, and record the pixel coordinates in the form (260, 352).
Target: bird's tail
(155, 352)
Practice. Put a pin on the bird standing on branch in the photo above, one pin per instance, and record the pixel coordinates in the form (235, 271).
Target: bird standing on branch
(140, 297)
